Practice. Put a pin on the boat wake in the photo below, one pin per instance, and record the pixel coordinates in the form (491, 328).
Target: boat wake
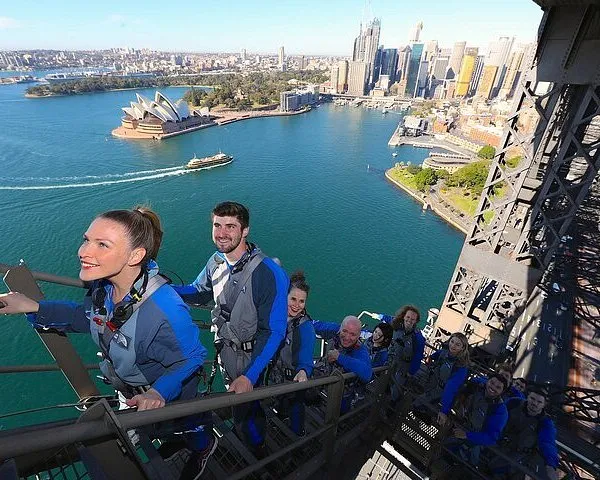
(108, 179)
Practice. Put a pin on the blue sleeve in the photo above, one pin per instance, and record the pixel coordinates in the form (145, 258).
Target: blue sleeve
(415, 362)
(385, 318)
(359, 362)
(380, 359)
(307, 347)
(452, 387)
(516, 393)
(62, 316)
(199, 292)
(492, 429)
(175, 345)
(269, 290)
(547, 442)
(325, 330)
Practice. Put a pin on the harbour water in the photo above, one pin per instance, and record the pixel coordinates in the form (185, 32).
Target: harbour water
(314, 183)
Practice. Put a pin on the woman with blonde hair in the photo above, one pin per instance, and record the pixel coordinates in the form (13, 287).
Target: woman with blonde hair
(151, 350)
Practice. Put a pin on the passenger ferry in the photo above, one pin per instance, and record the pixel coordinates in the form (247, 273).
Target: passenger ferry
(213, 161)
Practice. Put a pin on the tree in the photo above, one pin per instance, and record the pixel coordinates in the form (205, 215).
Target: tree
(413, 169)
(487, 152)
(425, 178)
(472, 176)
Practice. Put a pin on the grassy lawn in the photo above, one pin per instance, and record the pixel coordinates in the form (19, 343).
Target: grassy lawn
(402, 176)
(456, 197)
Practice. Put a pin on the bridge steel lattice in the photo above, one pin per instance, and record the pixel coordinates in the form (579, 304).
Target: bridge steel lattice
(548, 159)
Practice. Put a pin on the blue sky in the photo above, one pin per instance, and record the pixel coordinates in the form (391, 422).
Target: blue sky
(303, 27)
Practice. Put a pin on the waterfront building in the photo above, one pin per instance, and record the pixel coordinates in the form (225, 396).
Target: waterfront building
(451, 162)
(477, 73)
(414, 65)
(384, 82)
(455, 61)
(342, 85)
(159, 118)
(413, 126)
(484, 90)
(299, 98)
(466, 72)
(357, 78)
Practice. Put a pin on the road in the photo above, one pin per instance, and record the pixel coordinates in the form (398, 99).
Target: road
(542, 335)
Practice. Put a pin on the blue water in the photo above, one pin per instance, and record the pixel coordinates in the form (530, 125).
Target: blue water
(315, 204)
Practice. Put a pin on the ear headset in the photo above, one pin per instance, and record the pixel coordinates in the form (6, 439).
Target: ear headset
(122, 311)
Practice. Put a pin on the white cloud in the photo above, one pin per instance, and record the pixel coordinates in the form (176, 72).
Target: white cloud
(8, 22)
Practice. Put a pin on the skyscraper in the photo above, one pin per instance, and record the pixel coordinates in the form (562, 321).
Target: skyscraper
(389, 63)
(415, 33)
(281, 59)
(440, 65)
(514, 67)
(403, 61)
(476, 75)
(343, 76)
(431, 51)
(357, 78)
(243, 55)
(421, 84)
(414, 65)
(365, 47)
(334, 78)
(455, 61)
(484, 90)
(467, 67)
(498, 56)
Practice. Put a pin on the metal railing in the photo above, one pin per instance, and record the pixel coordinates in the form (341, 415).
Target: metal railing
(328, 432)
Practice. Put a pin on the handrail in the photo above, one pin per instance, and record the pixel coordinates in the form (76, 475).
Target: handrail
(14, 443)
(42, 367)
(48, 277)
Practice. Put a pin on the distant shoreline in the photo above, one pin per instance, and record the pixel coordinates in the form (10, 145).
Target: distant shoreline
(31, 95)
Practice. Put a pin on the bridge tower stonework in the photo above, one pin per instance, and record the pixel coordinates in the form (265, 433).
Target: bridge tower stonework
(548, 158)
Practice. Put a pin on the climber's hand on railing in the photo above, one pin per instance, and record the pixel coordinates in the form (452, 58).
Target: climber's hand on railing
(301, 376)
(14, 302)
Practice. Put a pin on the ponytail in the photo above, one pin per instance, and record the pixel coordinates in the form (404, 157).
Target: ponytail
(143, 228)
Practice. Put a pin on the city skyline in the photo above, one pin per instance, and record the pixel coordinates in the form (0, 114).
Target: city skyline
(261, 28)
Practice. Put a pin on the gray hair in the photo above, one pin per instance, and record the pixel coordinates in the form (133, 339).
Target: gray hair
(351, 319)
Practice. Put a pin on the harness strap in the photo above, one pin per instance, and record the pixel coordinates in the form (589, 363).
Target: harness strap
(231, 298)
(153, 285)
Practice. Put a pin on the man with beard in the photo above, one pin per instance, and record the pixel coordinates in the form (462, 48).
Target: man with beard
(482, 415)
(529, 438)
(249, 318)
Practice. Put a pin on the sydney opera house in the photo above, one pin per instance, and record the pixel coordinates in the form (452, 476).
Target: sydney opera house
(160, 118)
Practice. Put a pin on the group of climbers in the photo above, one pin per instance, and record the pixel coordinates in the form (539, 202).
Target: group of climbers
(262, 335)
